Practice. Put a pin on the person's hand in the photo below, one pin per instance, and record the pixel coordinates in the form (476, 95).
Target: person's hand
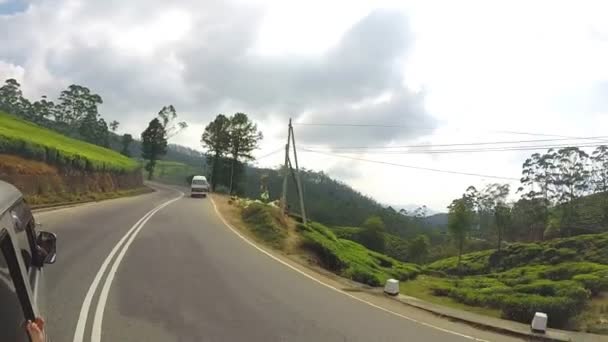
(36, 330)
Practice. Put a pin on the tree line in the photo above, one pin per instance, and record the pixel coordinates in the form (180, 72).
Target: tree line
(557, 190)
(75, 112)
(229, 142)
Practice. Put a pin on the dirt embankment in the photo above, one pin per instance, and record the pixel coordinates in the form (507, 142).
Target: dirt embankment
(43, 183)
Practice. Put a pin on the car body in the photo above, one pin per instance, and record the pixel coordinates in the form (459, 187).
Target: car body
(23, 254)
(199, 186)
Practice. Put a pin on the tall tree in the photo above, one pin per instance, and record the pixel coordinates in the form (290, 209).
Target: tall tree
(599, 178)
(11, 98)
(125, 142)
(599, 170)
(94, 130)
(244, 138)
(42, 109)
(572, 181)
(493, 201)
(76, 103)
(153, 144)
(114, 125)
(216, 139)
(502, 216)
(419, 248)
(539, 177)
(460, 217)
(372, 234)
(102, 134)
(167, 116)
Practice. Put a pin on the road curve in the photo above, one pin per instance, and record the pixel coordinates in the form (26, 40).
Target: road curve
(185, 276)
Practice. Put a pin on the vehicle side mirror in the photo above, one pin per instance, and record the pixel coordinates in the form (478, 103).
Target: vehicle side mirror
(47, 247)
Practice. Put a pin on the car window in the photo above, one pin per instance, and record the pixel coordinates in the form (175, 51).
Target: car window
(11, 311)
(199, 182)
(24, 221)
(25, 227)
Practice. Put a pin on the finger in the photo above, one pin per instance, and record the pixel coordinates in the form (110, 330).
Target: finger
(40, 322)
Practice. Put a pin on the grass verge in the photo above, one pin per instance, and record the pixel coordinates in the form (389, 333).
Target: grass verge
(53, 200)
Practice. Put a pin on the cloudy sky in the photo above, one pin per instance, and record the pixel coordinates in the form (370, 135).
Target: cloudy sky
(400, 73)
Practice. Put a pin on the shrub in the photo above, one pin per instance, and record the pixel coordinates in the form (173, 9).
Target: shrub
(372, 234)
(323, 230)
(322, 248)
(351, 259)
(592, 282)
(546, 288)
(441, 290)
(406, 272)
(363, 276)
(521, 308)
(568, 270)
(263, 224)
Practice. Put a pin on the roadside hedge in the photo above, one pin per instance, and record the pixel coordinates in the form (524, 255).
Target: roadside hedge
(592, 248)
(263, 224)
(353, 260)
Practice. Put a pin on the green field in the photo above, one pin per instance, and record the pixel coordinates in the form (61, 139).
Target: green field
(175, 172)
(566, 278)
(34, 142)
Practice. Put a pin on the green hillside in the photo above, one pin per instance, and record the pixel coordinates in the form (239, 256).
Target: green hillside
(34, 142)
(591, 248)
(566, 278)
(343, 257)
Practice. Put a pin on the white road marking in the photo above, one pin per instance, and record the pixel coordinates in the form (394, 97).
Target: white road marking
(103, 296)
(84, 310)
(335, 288)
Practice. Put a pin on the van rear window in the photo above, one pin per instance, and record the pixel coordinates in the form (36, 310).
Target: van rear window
(199, 182)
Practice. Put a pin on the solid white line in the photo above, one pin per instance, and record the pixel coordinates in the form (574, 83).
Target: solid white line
(103, 296)
(84, 310)
(335, 288)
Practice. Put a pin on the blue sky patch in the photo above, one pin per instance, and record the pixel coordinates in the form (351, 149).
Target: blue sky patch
(12, 6)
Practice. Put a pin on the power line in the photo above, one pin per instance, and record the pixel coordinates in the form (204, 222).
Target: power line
(469, 150)
(412, 167)
(333, 124)
(269, 154)
(462, 144)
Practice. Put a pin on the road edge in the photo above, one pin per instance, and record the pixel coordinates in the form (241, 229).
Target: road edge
(478, 324)
(319, 281)
(146, 189)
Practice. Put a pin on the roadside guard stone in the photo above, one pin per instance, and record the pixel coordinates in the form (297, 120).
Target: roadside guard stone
(392, 287)
(539, 322)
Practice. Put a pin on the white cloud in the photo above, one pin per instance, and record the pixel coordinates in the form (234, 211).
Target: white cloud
(476, 67)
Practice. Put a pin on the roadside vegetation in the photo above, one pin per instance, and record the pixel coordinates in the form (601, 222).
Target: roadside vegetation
(565, 278)
(26, 139)
(340, 256)
(513, 282)
(352, 260)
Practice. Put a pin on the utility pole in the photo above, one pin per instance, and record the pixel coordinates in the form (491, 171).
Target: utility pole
(296, 175)
(286, 170)
(298, 182)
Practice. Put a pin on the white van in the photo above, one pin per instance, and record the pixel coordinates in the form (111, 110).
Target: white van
(199, 186)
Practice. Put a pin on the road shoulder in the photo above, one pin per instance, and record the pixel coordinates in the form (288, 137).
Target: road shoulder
(375, 297)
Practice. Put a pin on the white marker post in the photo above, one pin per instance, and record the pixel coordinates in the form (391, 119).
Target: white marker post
(539, 322)
(392, 287)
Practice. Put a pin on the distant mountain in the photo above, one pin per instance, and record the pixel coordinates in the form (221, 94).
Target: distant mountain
(437, 220)
(410, 208)
(327, 200)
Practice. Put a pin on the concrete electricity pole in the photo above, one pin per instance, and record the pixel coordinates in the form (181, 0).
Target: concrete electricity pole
(296, 174)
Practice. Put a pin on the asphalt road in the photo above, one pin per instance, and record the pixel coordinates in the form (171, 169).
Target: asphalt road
(185, 276)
